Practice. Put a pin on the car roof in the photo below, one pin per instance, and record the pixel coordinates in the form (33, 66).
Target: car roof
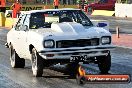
(44, 10)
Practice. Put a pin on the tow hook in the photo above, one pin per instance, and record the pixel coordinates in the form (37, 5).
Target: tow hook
(6, 45)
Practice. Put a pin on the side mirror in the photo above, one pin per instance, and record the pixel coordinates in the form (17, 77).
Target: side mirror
(14, 26)
(101, 25)
(25, 28)
(84, 22)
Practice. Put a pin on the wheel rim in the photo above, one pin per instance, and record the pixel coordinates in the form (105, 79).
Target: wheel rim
(12, 56)
(36, 68)
(34, 60)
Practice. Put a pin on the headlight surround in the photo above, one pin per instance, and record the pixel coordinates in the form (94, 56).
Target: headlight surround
(106, 40)
(49, 43)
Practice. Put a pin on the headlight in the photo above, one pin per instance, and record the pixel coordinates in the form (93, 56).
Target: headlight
(106, 40)
(49, 43)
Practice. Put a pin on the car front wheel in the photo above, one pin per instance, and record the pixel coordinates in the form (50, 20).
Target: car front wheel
(37, 63)
(104, 63)
(16, 61)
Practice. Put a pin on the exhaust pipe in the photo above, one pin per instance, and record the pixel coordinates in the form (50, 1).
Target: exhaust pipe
(6, 45)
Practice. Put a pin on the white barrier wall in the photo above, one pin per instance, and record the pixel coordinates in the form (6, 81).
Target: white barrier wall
(123, 10)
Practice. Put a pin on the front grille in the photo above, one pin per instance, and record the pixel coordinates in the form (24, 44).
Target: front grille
(77, 43)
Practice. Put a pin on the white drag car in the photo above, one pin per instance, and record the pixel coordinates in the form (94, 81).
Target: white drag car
(52, 36)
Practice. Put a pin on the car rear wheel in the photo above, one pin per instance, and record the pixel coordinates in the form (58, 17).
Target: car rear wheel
(104, 63)
(16, 61)
(37, 63)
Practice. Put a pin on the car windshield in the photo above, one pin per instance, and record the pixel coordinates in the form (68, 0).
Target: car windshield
(45, 19)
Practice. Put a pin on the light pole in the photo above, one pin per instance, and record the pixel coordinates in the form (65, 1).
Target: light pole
(46, 2)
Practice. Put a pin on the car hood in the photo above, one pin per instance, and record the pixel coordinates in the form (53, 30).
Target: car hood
(72, 30)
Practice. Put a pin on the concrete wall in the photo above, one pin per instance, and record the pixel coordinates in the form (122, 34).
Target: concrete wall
(123, 10)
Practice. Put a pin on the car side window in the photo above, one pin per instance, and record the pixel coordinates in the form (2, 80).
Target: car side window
(20, 23)
(26, 21)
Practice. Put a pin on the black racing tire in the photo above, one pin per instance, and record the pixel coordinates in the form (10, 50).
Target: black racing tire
(16, 61)
(37, 63)
(72, 69)
(104, 63)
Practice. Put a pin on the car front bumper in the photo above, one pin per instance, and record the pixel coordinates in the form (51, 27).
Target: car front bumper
(66, 53)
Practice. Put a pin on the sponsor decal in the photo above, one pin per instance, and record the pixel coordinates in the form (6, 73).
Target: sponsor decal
(28, 8)
(108, 78)
(83, 78)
